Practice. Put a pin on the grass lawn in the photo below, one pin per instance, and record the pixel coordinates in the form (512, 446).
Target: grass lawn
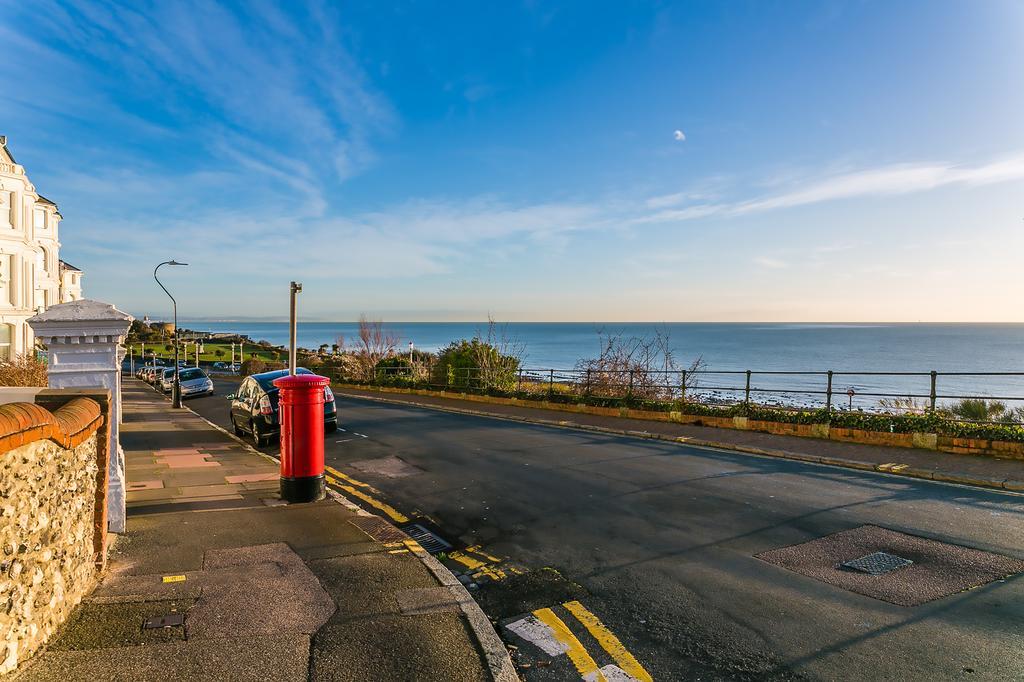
(209, 354)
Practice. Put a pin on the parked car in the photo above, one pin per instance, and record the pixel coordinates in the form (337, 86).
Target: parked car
(254, 407)
(194, 382)
(149, 376)
(165, 379)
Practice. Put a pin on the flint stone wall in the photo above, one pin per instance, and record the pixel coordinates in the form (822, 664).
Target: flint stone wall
(52, 475)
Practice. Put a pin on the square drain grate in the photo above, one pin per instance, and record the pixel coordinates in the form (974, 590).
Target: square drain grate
(877, 563)
(428, 540)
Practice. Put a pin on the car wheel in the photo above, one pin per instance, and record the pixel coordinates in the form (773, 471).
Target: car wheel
(235, 428)
(332, 427)
(258, 440)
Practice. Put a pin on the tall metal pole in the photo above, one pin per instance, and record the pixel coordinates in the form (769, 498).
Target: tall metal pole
(295, 288)
(176, 387)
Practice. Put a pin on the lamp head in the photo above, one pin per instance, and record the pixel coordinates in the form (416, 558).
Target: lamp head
(174, 262)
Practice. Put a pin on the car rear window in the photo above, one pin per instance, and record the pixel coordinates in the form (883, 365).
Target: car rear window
(266, 381)
(190, 374)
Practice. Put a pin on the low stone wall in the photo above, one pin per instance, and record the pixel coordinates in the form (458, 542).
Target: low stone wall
(927, 441)
(52, 517)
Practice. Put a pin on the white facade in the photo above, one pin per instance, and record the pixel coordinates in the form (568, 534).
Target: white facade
(70, 283)
(31, 277)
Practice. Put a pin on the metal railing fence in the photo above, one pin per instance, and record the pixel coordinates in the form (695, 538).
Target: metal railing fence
(824, 389)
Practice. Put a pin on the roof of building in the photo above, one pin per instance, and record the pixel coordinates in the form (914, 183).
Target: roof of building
(64, 265)
(44, 200)
(4, 151)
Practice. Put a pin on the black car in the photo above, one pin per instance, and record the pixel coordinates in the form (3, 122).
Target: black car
(254, 409)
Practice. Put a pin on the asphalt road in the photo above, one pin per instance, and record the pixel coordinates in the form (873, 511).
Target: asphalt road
(658, 541)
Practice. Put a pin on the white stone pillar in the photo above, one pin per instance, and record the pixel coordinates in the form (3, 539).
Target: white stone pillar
(83, 340)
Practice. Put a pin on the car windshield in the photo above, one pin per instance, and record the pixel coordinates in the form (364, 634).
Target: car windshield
(168, 373)
(190, 374)
(266, 380)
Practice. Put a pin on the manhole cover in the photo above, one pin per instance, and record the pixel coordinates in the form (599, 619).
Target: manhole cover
(877, 563)
(428, 541)
(171, 620)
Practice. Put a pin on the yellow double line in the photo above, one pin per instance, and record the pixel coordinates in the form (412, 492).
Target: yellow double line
(358, 489)
(584, 662)
(487, 568)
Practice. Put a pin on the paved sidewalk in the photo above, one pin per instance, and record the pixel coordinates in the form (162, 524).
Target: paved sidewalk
(1006, 474)
(252, 589)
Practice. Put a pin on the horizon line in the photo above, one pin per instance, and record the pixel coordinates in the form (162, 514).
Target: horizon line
(300, 320)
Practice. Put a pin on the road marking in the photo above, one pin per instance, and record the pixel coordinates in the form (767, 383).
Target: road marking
(608, 641)
(349, 479)
(538, 634)
(344, 440)
(467, 561)
(475, 549)
(414, 547)
(174, 578)
(359, 434)
(892, 467)
(395, 515)
(480, 568)
(586, 665)
(614, 673)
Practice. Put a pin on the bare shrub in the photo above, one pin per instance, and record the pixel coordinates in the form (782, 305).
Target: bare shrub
(23, 370)
(372, 344)
(642, 367)
(907, 405)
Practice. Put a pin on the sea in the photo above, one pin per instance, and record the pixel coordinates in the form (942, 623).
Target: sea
(854, 352)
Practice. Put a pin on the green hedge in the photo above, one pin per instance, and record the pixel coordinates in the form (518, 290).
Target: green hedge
(865, 421)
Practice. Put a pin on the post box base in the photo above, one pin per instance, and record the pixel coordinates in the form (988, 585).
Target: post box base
(305, 489)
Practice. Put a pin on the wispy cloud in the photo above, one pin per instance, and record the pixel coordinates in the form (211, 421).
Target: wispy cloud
(770, 262)
(882, 181)
(229, 82)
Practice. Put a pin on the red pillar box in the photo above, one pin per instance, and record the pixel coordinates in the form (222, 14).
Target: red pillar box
(302, 436)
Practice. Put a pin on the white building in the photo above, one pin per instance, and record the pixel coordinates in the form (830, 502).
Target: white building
(70, 282)
(31, 274)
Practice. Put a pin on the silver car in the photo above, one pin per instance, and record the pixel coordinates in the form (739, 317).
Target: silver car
(194, 382)
(165, 379)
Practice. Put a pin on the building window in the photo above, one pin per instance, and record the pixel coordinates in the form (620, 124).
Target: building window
(7, 211)
(6, 332)
(39, 219)
(6, 284)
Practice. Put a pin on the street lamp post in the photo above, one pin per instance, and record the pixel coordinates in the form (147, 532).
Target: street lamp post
(176, 387)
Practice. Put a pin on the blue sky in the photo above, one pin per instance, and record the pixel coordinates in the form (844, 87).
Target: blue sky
(834, 160)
